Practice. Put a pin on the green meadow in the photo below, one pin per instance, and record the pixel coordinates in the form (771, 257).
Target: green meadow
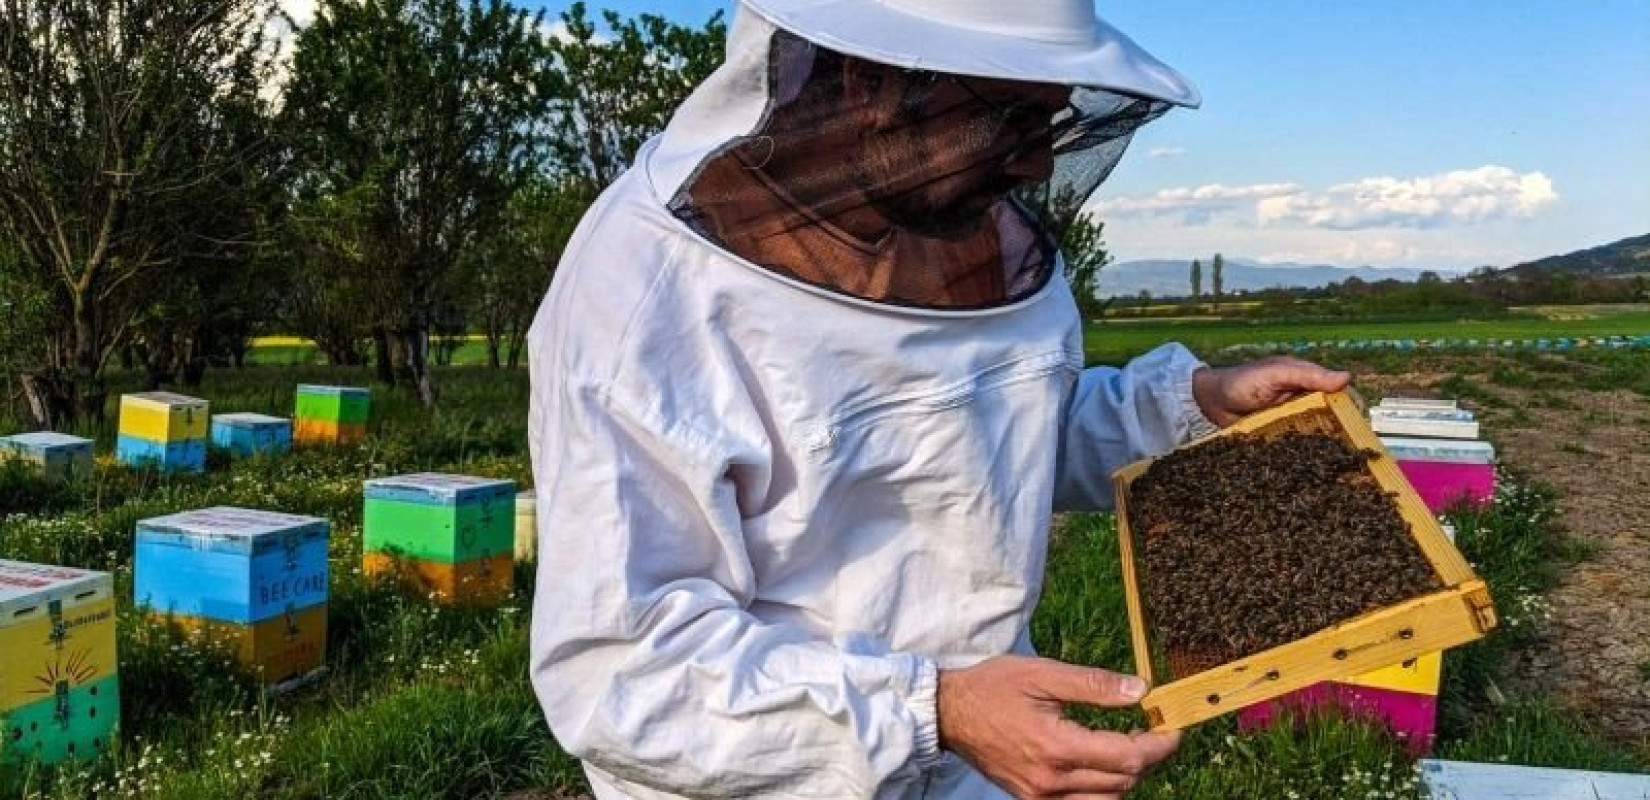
(422, 701)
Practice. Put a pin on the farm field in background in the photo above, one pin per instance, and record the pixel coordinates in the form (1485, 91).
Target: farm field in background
(1118, 339)
(424, 701)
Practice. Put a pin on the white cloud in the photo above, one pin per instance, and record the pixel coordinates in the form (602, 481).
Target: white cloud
(1449, 199)
(1194, 205)
(1165, 152)
(1461, 197)
(301, 11)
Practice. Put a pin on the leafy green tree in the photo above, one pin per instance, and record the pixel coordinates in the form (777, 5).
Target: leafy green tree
(1218, 267)
(513, 268)
(1197, 279)
(1084, 248)
(420, 118)
(615, 89)
(116, 170)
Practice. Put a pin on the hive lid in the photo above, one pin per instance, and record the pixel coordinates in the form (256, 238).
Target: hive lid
(42, 440)
(437, 487)
(1417, 402)
(1422, 414)
(309, 388)
(1454, 451)
(24, 586)
(248, 419)
(1432, 428)
(229, 529)
(164, 399)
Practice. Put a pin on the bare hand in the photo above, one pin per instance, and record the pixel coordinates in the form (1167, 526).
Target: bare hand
(1228, 393)
(1004, 716)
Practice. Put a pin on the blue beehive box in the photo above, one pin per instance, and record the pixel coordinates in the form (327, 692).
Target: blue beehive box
(188, 455)
(245, 435)
(232, 565)
(58, 455)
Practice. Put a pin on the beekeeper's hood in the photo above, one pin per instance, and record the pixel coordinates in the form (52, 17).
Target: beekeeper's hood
(916, 152)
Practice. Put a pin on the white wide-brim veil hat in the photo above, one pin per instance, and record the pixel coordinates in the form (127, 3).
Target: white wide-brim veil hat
(1049, 41)
(959, 198)
(1040, 41)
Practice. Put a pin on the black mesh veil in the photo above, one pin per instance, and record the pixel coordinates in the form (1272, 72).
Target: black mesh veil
(904, 186)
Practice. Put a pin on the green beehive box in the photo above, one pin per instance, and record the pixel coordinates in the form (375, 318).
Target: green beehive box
(73, 723)
(340, 404)
(447, 518)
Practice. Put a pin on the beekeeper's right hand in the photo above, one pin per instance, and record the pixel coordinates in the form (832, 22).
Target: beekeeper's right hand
(1003, 716)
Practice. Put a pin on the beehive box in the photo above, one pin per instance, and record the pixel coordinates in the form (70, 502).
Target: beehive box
(57, 455)
(1465, 780)
(480, 582)
(527, 527)
(59, 688)
(164, 430)
(448, 535)
(257, 579)
(1458, 613)
(330, 414)
(1445, 471)
(1447, 423)
(245, 435)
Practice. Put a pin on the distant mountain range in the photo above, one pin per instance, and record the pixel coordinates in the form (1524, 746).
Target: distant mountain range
(1165, 278)
(1627, 257)
(1170, 278)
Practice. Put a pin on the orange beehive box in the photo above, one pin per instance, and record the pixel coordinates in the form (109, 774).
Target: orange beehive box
(477, 582)
(281, 648)
(1460, 612)
(317, 431)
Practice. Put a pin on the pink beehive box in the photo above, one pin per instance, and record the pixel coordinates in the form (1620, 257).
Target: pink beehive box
(1446, 471)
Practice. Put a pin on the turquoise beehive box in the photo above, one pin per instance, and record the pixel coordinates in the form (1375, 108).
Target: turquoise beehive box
(57, 455)
(245, 435)
(233, 565)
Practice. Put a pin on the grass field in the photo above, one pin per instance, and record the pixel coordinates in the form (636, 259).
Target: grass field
(426, 702)
(1117, 340)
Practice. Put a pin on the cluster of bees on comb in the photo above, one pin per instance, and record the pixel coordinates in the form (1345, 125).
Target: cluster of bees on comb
(1248, 542)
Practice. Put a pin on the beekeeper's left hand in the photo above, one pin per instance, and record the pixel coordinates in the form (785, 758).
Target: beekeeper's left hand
(1226, 394)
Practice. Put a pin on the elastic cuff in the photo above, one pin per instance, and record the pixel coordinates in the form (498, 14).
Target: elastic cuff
(924, 704)
(1191, 421)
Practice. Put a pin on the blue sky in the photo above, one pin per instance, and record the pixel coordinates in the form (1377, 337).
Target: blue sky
(1446, 133)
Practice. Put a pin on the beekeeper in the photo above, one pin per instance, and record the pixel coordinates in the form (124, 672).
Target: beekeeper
(806, 389)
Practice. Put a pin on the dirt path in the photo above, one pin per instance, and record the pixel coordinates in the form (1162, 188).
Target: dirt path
(1594, 448)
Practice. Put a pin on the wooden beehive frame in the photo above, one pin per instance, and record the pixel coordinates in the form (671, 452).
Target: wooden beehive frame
(1459, 613)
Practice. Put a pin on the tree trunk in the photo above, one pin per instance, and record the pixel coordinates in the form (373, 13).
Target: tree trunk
(415, 351)
(517, 342)
(87, 390)
(50, 397)
(382, 361)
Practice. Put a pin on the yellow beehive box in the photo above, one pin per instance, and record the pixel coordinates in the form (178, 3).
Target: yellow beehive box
(281, 648)
(527, 527)
(164, 417)
(1458, 613)
(57, 630)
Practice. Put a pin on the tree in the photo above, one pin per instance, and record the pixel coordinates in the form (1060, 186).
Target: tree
(613, 91)
(1085, 254)
(1197, 280)
(419, 119)
(513, 268)
(1219, 279)
(115, 170)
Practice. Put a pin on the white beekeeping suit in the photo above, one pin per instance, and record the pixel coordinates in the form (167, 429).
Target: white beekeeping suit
(808, 386)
